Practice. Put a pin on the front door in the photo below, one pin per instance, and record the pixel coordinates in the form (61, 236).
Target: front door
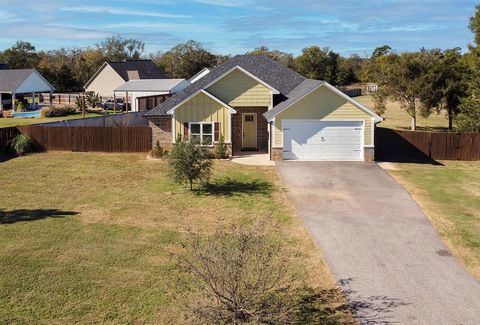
(249, 128)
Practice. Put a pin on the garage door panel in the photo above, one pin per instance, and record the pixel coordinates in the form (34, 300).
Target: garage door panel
(323, 140)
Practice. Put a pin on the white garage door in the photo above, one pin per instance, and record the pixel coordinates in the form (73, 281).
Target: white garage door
(322, 140)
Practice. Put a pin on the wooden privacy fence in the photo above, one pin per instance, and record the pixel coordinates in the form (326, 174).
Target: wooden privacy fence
(395, 145)
(6, 137)
(90, 138)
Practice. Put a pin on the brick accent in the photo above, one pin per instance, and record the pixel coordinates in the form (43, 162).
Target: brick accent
(276, 154)
(369, 153)
(161, 131)
(262, 127)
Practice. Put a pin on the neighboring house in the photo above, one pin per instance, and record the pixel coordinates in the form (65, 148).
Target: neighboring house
(113, 74)
(14, 82)
(257, 103)
(199, 75)
(145, 94)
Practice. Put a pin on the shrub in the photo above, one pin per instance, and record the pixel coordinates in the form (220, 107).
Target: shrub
(157, 151)
(93, 100)
(190, 162)
(22, 144)
(241, 276)
(20, 107)
(221, 149)
(58, 111)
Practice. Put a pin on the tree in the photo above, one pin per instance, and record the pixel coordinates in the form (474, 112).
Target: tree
(117, 48)
(445, 83)
(349, 69)
(185, 60)
(468, 119)
(242, 276)
(381, 51)
(190, 162)
(21, 55)
(282, 57)
(87, 63)
(317, 63)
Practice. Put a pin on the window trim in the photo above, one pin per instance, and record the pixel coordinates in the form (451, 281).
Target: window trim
(201, 132)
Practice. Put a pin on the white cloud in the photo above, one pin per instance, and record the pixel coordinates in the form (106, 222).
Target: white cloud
(121, 11)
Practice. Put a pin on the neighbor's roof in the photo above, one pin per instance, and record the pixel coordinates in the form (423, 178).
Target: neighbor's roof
(146, 69)
(269, 71)
(12, 79)
(150, 85)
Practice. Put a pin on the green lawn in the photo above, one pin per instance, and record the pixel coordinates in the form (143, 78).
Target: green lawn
(88, 237)
(450, 196)
(397, 118)
(5, 122)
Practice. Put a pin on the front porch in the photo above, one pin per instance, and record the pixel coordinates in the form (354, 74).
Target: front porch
(249, 130)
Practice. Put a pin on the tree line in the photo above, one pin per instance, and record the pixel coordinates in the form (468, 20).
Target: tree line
(423, 81)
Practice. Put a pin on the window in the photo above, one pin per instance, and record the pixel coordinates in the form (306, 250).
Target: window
(202, 132)
(248, 118)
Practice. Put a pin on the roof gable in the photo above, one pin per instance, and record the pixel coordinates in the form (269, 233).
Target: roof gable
(141, 69)
(23, 80)
(306, 88)
(270, 72)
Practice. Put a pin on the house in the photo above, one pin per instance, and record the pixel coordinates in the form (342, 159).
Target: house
(17, 82)
(113, 74)
(256, 103)
(145, 94)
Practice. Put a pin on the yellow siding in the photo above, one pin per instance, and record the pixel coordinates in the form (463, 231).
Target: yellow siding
(202, 108)
(323, 104)
(238, 89)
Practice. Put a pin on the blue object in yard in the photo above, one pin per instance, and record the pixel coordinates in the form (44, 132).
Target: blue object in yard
(26, 114)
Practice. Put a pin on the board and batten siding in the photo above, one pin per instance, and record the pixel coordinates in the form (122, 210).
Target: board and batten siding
(240, 90)
(202, 108)
(323, 104)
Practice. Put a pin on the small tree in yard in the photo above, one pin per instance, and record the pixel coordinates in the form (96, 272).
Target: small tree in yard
(190, 162)
(241, 276)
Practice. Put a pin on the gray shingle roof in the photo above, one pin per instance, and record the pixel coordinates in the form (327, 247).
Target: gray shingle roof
(298, 92)
(270, 71)
(150, 85)
(10, 80)
(146, 69)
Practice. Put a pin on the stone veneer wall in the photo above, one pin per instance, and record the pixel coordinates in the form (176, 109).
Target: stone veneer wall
(369, 153)
(262, 127)
(161, 131)
(276, 154)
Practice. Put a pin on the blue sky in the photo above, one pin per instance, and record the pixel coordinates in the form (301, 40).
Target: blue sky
(236, 26)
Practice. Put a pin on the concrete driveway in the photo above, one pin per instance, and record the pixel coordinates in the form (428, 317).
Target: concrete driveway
(383, 251)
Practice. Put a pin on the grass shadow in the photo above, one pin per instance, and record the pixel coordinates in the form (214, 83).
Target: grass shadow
(230, 187)
(318, 306)
(13, 216)
(6, 156)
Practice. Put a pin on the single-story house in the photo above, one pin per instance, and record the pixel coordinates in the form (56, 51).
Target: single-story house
(256, 103)
(14, 82)
(145, 94)
(113, 74)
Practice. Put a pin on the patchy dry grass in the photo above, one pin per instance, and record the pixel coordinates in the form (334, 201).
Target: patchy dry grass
(397, 118)
(450, 197)
(88, 237)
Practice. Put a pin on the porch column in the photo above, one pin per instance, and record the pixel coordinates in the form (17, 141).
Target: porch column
(114, 102)
(33, 100)
(126, 101)
(1, 105)
(13, 102)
